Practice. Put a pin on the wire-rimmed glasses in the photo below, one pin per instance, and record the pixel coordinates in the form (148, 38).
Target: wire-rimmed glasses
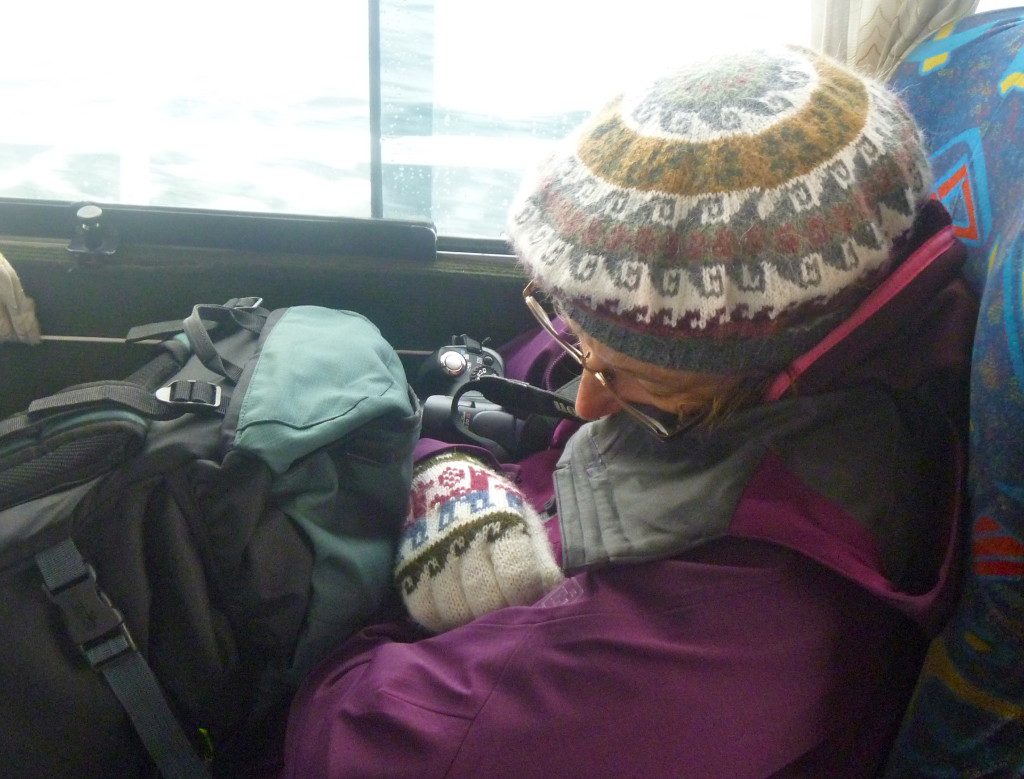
(604, 377)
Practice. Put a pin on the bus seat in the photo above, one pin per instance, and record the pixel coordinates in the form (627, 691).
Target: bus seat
(965, 85)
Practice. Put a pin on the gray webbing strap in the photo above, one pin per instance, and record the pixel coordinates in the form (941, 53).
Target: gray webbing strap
(14, 424)
(99, 631)
(159, 330)
(168, 402)
(244, 313)
(202, 345)
(134, 684)
(118, 393)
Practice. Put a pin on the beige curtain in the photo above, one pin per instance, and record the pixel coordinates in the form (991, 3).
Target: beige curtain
(874, 35)
(17, 311)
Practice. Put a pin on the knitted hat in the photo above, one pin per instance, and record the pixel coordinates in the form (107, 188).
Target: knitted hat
(727, 217)
(471, 544)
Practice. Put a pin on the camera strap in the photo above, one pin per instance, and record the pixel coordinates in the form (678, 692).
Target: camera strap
(518, 398)
(522, 399)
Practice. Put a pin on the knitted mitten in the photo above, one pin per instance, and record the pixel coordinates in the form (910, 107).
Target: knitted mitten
(471, 544)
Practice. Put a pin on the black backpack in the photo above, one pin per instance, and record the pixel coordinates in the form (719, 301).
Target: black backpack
(179, 548)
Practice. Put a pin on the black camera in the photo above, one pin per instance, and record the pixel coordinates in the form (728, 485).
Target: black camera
(448, 368)
(509, 418)
(488, 424)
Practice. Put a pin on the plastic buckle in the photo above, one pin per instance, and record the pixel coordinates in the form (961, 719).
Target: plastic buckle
(244, 304)
(191, 394)
(96, 627)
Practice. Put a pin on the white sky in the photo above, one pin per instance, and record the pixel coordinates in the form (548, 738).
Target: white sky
(553, 53)
(488, 54)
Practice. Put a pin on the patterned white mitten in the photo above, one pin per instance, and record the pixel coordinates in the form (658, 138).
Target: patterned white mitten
(471, 544)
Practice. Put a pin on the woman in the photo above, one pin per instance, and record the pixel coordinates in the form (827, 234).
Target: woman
(752, 538)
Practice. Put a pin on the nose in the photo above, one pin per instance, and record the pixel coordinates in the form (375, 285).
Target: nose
(593, 400)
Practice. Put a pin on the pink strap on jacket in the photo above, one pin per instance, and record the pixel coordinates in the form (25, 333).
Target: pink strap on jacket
(911, 272)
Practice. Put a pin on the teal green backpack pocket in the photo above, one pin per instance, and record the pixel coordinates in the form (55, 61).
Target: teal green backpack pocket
(347, 376)
(326, 405)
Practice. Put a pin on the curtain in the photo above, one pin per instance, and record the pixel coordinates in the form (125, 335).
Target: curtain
(874, 35)
(17, 311)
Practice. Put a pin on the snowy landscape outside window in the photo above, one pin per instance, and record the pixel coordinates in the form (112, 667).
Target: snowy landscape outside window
(428, 109)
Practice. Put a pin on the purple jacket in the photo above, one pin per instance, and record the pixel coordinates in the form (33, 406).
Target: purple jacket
(736, 660)
(773, 626)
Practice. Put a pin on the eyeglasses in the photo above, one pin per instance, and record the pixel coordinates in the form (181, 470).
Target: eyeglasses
(605, 377)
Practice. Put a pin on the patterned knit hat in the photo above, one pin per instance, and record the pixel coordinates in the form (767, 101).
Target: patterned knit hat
(727, 217)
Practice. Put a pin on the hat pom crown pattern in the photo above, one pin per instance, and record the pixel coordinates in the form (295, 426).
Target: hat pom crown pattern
(728, 216)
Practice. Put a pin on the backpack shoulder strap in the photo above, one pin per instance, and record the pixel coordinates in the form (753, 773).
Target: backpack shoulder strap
(98, 630)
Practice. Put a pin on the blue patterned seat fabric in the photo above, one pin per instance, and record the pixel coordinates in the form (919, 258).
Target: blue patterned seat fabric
(965, 85)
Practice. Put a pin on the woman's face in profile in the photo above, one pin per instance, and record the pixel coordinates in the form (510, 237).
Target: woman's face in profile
(681, 393)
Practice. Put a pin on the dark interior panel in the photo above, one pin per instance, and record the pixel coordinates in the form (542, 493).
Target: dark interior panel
(418, 304)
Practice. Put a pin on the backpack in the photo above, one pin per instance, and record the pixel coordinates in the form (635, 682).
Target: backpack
(179, 548)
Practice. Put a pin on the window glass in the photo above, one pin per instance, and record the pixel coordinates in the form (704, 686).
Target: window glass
(497, 84)
(223, 105)
(267, 108)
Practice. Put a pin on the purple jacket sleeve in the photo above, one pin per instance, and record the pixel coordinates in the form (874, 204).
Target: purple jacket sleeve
(385, 706)
(743, 660)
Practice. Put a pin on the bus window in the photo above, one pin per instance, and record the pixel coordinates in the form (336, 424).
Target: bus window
(427, 110)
